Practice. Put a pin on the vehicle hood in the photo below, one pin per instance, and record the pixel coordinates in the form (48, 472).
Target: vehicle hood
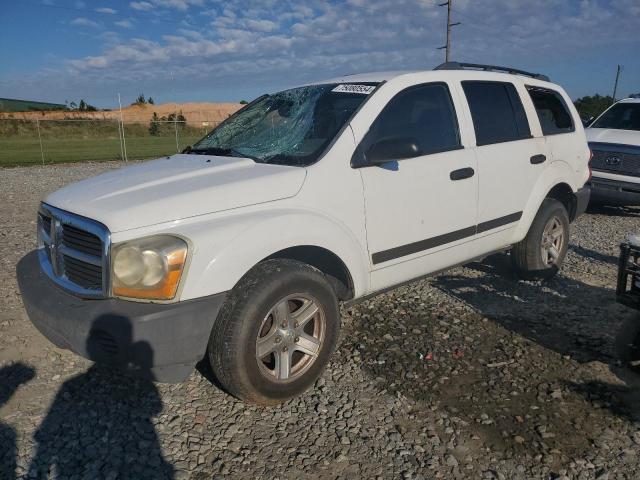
(175, 188)
(610, 135)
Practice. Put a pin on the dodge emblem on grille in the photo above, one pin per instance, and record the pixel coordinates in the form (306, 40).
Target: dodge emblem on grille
(613, 161)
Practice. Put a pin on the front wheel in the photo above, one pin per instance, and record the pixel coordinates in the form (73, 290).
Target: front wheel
(541, 253)
(275, 333)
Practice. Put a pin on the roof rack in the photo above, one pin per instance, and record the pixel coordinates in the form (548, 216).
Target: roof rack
(493, 68)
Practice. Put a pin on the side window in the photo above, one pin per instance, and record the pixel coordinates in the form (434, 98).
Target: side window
(424, 113)
(552, 111)
(497, 112)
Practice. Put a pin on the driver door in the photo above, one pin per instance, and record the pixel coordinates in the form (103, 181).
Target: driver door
(417, 207)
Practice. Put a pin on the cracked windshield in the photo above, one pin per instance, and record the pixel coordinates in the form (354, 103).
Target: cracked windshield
(292, 127)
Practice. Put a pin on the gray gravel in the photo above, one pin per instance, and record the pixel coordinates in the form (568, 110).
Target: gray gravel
(471, 374)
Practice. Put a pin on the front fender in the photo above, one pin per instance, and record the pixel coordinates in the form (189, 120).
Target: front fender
(226, 248)
(557, 172)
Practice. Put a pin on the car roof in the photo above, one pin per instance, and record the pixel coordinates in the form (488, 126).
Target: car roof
(629, 100)
(385, 76)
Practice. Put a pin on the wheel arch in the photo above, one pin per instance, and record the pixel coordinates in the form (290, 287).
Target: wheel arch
(324, 260)
(554, 182)
(564, 194)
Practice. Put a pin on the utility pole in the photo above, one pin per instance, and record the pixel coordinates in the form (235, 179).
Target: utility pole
(449, 4)
(615, 86)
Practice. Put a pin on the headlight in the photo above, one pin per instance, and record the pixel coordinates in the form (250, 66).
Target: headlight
(148, 268)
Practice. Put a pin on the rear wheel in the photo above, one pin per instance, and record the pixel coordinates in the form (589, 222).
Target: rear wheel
(275, 333)
(541, 253)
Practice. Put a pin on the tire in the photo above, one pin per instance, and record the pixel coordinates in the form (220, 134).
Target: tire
(528, 257)
(273, 294)
(628, 342)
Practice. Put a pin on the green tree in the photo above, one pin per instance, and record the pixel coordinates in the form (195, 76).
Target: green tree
(154, 126)
(140, 100)
(150, 101)
(592, 105)
(85, 107)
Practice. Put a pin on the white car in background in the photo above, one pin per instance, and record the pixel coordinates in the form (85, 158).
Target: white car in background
(614, 139)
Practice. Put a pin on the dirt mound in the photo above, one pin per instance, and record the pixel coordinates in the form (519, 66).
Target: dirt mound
(197, 114)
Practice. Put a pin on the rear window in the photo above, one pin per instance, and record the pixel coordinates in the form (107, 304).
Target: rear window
(497, 112)
(552, 111)
(622, 116)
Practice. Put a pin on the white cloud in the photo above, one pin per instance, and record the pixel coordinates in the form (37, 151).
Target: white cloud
(143, 6)
(107, 10)
(261, 25)
(181, 5)
(84, 22)
(124, 23)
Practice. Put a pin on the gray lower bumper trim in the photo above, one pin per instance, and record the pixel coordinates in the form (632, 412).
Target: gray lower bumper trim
(158, 341)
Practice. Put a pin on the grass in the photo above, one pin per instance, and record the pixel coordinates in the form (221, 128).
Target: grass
(87, 141)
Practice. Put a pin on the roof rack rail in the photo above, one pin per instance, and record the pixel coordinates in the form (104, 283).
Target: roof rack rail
(493, 68)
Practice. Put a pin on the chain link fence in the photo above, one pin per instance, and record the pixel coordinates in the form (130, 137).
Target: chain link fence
(29, 142)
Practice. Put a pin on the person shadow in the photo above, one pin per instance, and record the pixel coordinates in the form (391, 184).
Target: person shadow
(11, 377)
(100, 423)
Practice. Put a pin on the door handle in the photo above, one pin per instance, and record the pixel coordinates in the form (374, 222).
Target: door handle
(462, 173)
(536, 159)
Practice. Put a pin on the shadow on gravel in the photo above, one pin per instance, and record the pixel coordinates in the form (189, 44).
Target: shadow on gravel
(614, 211)
(594, 255)
(562, 314)
(11, 378)
(100, 422)
(484, 366)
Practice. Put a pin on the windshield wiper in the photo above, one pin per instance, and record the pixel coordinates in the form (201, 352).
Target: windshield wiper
(224, 152)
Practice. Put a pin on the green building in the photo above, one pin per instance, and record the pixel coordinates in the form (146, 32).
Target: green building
(12, 105)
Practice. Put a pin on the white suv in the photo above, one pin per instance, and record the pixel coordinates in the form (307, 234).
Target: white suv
(614, 139)
(239, 250)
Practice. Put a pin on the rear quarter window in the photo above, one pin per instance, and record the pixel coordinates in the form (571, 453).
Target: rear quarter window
(552, 111)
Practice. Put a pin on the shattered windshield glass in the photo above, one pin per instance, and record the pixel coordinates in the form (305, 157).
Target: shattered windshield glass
(292, 127)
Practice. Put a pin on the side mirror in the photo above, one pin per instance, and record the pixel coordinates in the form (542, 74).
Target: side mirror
(386, 150)
(186, 149)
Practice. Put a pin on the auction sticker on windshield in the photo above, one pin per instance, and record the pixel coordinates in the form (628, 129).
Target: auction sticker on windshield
(351, 88)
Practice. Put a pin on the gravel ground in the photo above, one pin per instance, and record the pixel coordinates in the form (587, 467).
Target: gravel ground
(470, 374)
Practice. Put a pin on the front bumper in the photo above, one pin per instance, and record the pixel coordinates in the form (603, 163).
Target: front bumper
(162, 342)
(614, 192)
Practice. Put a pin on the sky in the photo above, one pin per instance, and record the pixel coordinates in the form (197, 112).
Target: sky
(215, 50)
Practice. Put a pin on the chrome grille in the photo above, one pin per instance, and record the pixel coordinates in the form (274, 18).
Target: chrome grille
(82, 241)
(74, 251)
(613, 158)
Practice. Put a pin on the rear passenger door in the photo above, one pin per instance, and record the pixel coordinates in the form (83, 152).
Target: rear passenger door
(510, 159)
